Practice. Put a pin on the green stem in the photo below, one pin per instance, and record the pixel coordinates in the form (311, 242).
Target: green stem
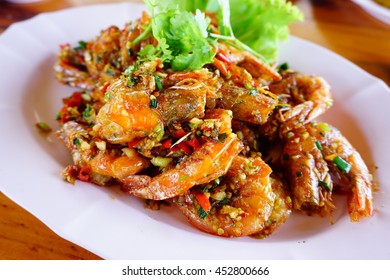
(234, 42)
(143, 36)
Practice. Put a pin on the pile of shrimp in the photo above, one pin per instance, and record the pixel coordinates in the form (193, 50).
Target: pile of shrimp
(235, 145)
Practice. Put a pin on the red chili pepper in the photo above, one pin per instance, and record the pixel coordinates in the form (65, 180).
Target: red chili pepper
(64, 115)
(74, 100)
(194, 143)
(134, 143)
(84, 173)
(185, 148)
(105, 87)
(203, 200)
(179, 133)
(166, 144)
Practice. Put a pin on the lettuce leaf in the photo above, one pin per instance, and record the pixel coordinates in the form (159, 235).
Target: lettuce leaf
(185, 41)
(263, 24)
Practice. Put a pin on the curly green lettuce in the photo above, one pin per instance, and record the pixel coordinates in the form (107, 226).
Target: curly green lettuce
(185, 41)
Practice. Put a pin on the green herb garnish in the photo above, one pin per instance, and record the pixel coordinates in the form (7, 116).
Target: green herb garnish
(342, 164)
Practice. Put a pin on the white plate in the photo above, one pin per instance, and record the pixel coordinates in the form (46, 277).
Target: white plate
(116, 226)
(380, 12)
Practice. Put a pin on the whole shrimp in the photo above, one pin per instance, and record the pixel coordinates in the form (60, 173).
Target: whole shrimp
(302, 98)
(128, 113)
(94, 161)
(208, 162)
(307, 173)
(239, 205)
(347, 167)
(321, 151)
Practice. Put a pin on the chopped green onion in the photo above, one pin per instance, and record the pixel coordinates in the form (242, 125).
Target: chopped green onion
(158, 82)
(222, 137)
(299, 174)
(342, 164)
(318, 145)
(58, 116)
(160, 161)
(110, 72)
(82, 46)
(87, 112)
(253, 92)
(324, 127)
(182, 178)
(201, 213)
(284, 66)
(290, 135)
(76, 142)
(325, 185)
(224, 201)
(153, 102)
(43, 127)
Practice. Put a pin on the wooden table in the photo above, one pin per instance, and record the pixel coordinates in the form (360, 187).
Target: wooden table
(340, 26)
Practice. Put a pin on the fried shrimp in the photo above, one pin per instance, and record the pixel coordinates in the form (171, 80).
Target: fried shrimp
(208, 161)
(127, 115)
(318, 158)
(97, 162)
(301, 99)
(238, 205)
(347, 168)
(307, 173)
(173, 108)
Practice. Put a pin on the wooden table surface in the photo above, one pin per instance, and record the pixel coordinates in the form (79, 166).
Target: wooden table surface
(338, 25)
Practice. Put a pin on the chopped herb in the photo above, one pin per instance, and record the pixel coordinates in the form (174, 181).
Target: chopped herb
(107, 95)
(161, 161)
(281, 106)
(342, 164)
(158, 82)
(299, 174)
(224, 201)
(182, 178)
(284, 66)
(318, 145)
(43, 127)
(147, 53)
(130, 70)
(324, 128)
(253, 91)
(325, 185)
(222, 137)
(82, 45)
(153, 102)
(76, 142)
(110, 72)
(87, 112)
(290, 135)
(202, 214)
